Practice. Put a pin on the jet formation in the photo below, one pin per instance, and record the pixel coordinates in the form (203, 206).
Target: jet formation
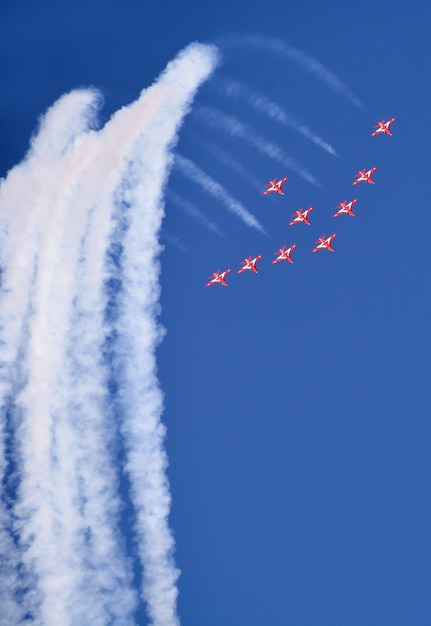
(302, 216)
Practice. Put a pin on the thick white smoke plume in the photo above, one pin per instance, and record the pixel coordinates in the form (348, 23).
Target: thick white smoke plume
(81, 435)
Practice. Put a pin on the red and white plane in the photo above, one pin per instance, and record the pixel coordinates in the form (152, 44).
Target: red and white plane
(325, 244)
(284, 255)
(365, 177)
(346, 207)
(273, 185)
(383, 127)
(301, 216)
(250, 264)
(218, 277)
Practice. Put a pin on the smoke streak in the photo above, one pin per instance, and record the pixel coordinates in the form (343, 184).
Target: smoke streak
(303, 59)
(78, 196)
(211, 186)
(235, 166)
(236, 89)
(194, 212)
(173, 240)
(234, 127)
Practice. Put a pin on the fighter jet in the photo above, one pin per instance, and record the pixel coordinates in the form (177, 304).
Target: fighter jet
(324, 244)
(383, 127)
(250, 264)
(218, 277)
(284, 255)
(273, 185)
(301, 216)
(365, 177)
(346, 207)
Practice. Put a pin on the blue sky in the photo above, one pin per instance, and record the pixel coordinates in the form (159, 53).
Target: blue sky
(296, 400)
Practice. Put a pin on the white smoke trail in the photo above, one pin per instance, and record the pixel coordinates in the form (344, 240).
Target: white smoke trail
(231, 125)
(173, 240)
(138, 333)
(305, 60)
(235, 89)
(28, 213)
(228, 161)
(58, 211)
(194, 212)
(13, 609)
(211, 186)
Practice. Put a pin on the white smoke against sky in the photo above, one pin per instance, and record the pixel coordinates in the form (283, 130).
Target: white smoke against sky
(193, 211)
(215, 118)
(238, 90)
(233, 164)
(192, 171)
(173, 240)
(79, 198)
(301, 58)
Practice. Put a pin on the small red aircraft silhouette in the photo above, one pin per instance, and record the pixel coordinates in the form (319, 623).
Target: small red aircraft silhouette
(284, 255)
(218, 277)
(383, 127)
(301, 216)
(365, 177)
(250, 264)
(346, 207)
(273, 185)
(325, 244)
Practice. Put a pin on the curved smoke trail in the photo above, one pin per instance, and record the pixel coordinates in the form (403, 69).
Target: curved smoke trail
(79, 225)
(301, 58)
(237, 90)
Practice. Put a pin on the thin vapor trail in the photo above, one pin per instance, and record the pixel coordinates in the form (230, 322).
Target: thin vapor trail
(228, 123)
(305, 60)
(228, 161)
(173, 240)
(212, 187)
(237, 90)
(193, 211)
(60, 212)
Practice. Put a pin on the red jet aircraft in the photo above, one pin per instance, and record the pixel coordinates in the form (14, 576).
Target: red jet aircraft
(325, 244)
(383, 127)
(250, 264)
(346, 207)
(284, 255)
(365, 177)
(273, 185)
(301, 216)
(218, 277)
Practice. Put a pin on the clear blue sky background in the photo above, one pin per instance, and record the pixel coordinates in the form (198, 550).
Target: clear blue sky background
(297, 400)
